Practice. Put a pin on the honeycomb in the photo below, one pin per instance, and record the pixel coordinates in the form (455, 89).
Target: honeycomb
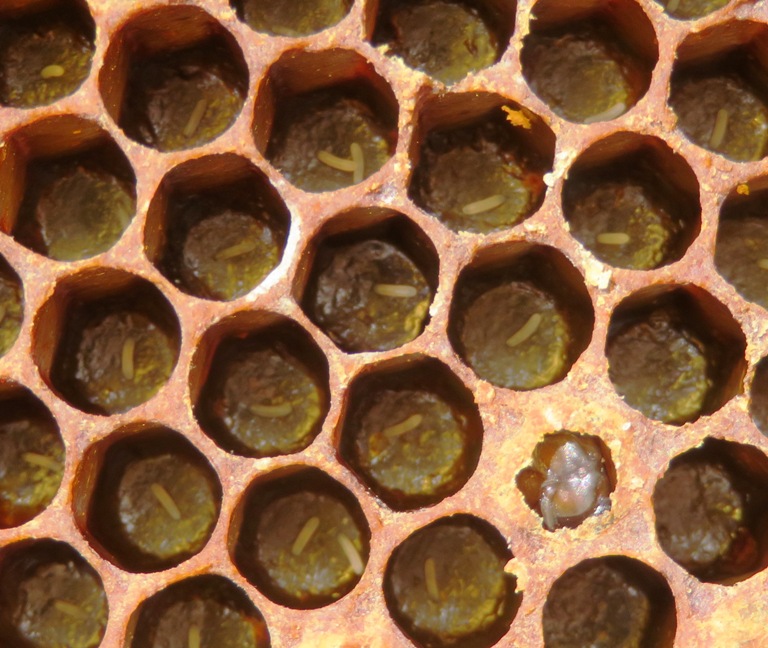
(373, 323)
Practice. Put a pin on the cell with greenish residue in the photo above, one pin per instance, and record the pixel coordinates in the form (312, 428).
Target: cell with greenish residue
(370, 296)
(700, 102)
(412, 445)
(165, 507)
(661, 368)
(447, 40)
(491, 346)
(295, 18)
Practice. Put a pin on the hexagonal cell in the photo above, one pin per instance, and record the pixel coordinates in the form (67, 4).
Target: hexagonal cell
(570, 479)
(412, 431)
(46, 50)
(719, 90)
(608, 602)
(447, 39)
(11, 305)
(296, 18)
(326, 120)
(371, 278)
(205, 611)
(106, 340)
(675, 353)
(480, 162)
(710, 509)
(632, 202)
(216, 227)
(521, 316)
(50, 596)
(31, 456)
(173, 78)
(741, 251)
(758, 402)
(260, 385)
(589, 61)
(147, 498)
(691, 9)
(70, 190)
(300, 537)
(446, 584)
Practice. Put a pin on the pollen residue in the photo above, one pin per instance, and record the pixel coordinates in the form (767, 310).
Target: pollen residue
(517, 117)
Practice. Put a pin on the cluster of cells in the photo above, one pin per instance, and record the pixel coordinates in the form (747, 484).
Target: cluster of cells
(217, 229)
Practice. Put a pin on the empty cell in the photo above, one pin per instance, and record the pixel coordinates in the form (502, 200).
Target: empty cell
(609, 602)
(303, 539)
(411, 432)
(521, 320)
(674, 353)
(296, 18)
(45, 52)
(200, 611)
(445, 585)
(589, 64)
(719, 93)
(266, 390)
(709, 507)
(155, 499)
(758, 403)
(741, 250)
(11, 306)
(50, 597)
(174, 78)
(480, 173)
(691, 9)
(444, 38)
(570, 479)
(31, 457)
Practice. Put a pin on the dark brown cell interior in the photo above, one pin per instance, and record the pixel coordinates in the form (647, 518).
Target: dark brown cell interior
(468, 152)
(348, 322)
(80, 307)
(78, 202)
(589, 62)
(467, 599)
(610, 602)
(317, 575)
(99, 511)
(221, 612)
(570, 479)
(202, 220)
(174, 78)
(741, 249)
(297, 18)
(32, 457)
(710, 509)
(49, 595)
(732, 79)
(11, 306)
(439, 463)
(675, 353)
(59, 33)
(758, 402)
(638, 187)
(445, 38)
(330, 120)
(237, 349)
(541, 269)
